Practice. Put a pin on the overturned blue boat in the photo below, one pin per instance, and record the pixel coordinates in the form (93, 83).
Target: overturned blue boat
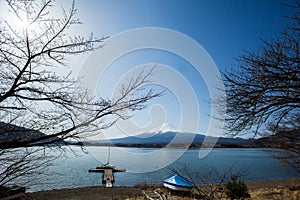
(178, 183)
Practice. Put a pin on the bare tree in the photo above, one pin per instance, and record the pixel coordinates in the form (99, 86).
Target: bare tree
(262, 92)
(287, 148)
(33, 96)
(23, 164)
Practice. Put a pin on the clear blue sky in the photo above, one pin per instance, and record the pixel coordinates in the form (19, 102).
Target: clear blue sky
(224, 29)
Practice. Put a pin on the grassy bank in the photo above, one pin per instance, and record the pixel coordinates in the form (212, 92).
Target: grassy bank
(275, 189)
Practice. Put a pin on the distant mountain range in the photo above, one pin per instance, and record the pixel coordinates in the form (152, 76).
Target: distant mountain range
(168, 136)
(164, 136)
(283, 138)
(10, 133)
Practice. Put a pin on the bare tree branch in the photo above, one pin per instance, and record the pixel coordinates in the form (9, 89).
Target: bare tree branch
(263, 95)
(43, 107)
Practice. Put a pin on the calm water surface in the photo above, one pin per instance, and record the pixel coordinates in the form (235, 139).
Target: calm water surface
(72, 171)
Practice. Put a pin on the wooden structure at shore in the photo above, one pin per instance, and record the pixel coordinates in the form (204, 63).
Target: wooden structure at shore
(152, 195)
(108, 173)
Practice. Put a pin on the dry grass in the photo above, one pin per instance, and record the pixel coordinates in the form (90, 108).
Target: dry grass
(261, 190)
(284, 189)
(275, 193)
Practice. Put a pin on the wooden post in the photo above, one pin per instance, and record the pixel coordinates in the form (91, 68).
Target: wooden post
(108, 174)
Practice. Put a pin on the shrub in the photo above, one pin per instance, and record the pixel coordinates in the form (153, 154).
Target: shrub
(237, 190)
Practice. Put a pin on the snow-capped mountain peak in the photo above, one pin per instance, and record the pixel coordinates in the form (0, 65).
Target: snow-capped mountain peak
(165, 127)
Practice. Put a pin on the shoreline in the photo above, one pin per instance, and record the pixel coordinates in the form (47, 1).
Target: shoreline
(283, 188)
(177, 146)
(181, 146)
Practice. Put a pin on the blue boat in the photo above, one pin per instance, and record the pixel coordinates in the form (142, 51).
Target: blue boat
(178, 183)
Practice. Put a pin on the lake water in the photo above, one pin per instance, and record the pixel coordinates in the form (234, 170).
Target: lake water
(151, 166)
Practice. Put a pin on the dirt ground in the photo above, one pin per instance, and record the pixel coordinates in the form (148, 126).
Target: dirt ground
(277, 189)
(94, 193)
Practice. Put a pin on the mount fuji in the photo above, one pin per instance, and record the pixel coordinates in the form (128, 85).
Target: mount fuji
(168, 135)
